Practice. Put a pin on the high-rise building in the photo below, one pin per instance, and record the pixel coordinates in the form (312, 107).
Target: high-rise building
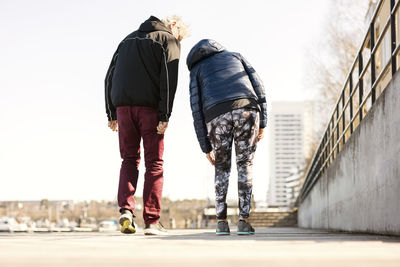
(290, 137)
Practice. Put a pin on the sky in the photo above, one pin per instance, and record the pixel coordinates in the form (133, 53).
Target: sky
(54, 139)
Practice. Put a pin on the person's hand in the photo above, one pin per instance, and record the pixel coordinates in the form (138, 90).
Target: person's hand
(161, 127)
(211, 158)
(260, 134)
(113, 125)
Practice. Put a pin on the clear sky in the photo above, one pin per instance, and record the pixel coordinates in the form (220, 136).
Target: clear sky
(54, 140)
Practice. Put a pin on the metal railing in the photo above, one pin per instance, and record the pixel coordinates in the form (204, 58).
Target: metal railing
(371, 71)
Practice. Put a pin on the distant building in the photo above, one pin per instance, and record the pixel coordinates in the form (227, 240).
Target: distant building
(293, 185)
(291, 133)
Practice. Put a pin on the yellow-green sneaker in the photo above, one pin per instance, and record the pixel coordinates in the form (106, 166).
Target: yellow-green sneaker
(127, 223)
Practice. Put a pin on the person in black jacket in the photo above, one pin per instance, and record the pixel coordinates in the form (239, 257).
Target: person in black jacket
(140, 87)
(228, 104)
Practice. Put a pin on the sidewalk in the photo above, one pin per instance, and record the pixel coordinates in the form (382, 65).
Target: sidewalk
(269, 247)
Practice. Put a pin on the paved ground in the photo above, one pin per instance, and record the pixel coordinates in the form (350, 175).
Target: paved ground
(269, 247)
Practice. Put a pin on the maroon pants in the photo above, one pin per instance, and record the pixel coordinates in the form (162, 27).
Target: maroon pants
(134, 124)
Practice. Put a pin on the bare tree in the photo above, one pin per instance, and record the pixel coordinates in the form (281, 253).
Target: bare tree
(329, 62)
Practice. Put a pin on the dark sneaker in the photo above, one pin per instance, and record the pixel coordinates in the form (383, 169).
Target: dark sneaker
(155, 229)
(223, 228)
(244, 228)
(127, 223)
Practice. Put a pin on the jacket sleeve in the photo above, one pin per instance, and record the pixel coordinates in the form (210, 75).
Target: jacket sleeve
(168, 77)
(110, 108)
(197, 113)
(259, 90)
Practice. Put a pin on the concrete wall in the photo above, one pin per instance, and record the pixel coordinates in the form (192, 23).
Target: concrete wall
(360, 191)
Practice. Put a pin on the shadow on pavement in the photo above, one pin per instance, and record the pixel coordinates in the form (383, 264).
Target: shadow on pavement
(282, 234)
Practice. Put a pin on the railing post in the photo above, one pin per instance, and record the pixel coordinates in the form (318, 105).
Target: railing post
(337, 127)
(360, 85)
(351, 101)
(373, 74)
(393, 36)
(325, 151)
(328, 147)
(332, 139)
(343, 119)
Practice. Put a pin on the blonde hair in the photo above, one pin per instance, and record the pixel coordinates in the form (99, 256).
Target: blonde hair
(182, 28)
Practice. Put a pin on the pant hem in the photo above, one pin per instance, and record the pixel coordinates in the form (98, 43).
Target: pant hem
(121, 210)
(151, 222)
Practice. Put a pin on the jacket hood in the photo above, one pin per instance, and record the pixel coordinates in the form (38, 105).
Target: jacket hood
(153, 24)
(202, 50)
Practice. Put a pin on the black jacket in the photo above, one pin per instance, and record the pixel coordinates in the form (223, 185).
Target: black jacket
(218, 76)
(144, 70)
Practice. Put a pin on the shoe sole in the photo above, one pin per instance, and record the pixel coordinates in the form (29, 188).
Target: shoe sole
(126, 226)
(245, 233)
(223, 233)
(154, 232)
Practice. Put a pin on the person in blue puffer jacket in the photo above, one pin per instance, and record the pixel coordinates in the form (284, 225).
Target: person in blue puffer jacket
(228, 104)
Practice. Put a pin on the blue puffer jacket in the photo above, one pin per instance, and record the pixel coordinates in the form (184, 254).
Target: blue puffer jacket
(217, 76)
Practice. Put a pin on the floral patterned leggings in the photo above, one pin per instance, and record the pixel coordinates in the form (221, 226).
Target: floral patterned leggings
(242, 126)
